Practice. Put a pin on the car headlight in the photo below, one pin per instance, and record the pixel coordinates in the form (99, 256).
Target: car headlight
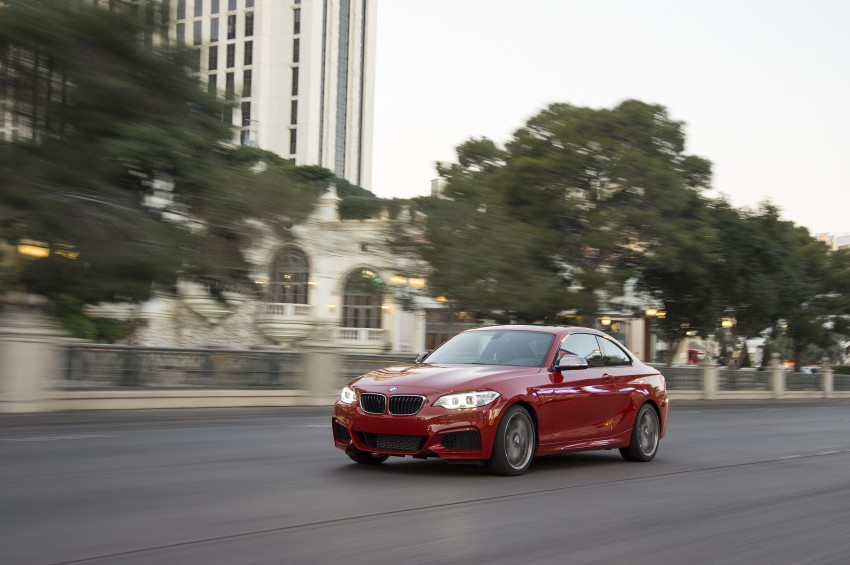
(347, 396)
(467, 399)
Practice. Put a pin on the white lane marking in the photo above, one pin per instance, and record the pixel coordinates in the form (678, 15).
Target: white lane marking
(826, 452)
(791, 457)
(312, 426)
(57, 438)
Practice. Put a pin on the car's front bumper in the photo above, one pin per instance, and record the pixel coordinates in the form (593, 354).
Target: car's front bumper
(433, 431)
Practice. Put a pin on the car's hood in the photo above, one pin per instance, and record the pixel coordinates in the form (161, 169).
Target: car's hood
(449, 378)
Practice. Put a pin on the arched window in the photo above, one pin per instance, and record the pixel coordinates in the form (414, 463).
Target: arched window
(363, 295)
(290, 277)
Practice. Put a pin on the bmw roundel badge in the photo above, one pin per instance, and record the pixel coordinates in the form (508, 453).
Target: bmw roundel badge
(393, 388)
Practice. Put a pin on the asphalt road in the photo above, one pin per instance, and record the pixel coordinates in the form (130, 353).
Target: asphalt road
(759, 483)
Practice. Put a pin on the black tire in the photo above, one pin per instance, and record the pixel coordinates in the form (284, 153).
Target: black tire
(515, 444)
(646, 434)
(366, 457)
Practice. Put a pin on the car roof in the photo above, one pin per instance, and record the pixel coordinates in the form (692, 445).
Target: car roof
(547, 329)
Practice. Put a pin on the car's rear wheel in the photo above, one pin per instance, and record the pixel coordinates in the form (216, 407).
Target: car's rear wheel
(515, 443)
(366, 457)
(645, 436)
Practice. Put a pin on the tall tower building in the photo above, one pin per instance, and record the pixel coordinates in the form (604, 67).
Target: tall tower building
(301, 72)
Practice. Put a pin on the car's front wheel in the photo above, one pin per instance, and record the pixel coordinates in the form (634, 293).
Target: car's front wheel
(515, 442)
(645, 435)
(366, 457)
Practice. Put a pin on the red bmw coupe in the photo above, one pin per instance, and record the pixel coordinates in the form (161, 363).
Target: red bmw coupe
(503, 395)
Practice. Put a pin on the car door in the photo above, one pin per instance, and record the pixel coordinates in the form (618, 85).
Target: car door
(621, 369)
(579, 403)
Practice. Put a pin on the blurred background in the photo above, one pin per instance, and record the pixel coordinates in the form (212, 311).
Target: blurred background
(185, 177)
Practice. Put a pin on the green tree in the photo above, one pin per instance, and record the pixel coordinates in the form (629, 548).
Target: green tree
(108, 115)
(577, 202)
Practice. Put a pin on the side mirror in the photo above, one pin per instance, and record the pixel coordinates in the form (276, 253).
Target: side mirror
(570, 363)
(421, 357)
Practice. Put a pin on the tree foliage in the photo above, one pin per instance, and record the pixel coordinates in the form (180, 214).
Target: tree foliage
(115, 135)
(580, 200)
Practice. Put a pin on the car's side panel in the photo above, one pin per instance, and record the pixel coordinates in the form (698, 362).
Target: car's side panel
(579, 405)
(634, 388)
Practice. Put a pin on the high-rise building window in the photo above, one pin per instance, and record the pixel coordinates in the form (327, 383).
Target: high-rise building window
(212, 62)
(181, 34)
(293, 118)
(292, 139)
(245, 137)
(246, 114)
(199, 8)
(196, 60)
(296, 50)
(181, 9)
(228, 85)
(295, 81)
(228, 115)
(247, 87)
(249, 24)
(231, 55)
(249, 3)
(214, 29)
(231, 5)
(296, 26)
(213, 6)
(231, 26)
(212, 85)
(249, 53)
(197, 35)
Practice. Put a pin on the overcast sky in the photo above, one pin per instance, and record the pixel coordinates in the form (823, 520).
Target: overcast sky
(763, 86)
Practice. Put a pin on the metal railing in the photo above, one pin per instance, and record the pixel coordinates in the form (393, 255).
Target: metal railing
(99, 367)
(356, 365)
(122, 367)
(681, 378)
(735, 380)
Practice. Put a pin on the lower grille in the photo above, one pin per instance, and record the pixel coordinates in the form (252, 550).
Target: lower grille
(461, 440)
(373, 403)
(341, 432)
(392, 442)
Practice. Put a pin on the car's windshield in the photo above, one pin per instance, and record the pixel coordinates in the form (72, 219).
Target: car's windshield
(520, 348)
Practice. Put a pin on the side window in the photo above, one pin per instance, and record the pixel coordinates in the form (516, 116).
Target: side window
(584, 345)
(614, 354)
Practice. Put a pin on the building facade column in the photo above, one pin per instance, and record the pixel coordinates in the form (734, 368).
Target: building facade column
(708, 370)
(30, 358)
(828, 378)
(777, 376)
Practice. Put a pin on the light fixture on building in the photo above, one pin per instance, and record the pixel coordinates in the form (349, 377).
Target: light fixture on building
(605, 321)
(654, 312)
(727, 323)
(67, 251)
(33, 248)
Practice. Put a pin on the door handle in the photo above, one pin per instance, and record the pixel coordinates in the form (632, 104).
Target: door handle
(607, 377)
